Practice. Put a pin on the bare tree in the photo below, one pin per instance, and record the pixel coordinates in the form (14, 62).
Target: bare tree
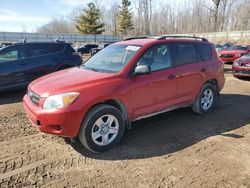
(57, 25)
(147, 10)
(163, 17)
(114, 9)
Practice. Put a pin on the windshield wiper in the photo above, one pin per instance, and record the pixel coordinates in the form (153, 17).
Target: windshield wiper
(91, 68)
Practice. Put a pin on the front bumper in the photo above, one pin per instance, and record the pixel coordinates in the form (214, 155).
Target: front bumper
(228, 60)
(63, 122)
(241, 71)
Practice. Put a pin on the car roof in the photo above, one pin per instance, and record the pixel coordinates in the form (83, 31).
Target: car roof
(145, 41)
(21, 43)
(36, 42)
(140, 42)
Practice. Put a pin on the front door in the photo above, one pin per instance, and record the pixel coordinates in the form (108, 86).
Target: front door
(12, 66)
(154, 92)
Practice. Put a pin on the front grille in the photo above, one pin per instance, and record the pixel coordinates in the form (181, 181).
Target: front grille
(242, 72)
(34, 97)
(227, 55)
(246, 71)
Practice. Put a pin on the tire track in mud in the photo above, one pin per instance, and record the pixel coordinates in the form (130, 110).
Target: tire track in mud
(48, 170)
(14, 124)
(29, 150)
(30, 157)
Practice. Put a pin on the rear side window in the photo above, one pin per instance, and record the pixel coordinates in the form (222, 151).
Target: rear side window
(205, 51)
(185, 53)
(36, 50)
(44, 49)
(53, 48)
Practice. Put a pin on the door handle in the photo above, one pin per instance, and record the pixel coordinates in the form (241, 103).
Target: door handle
(171, 76)
(23, 64)
(204, 69)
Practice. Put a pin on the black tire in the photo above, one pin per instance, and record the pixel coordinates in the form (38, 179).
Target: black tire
(198, 106)
(85, 133)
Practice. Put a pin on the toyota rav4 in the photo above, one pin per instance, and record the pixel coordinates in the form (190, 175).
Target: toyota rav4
(125, 82)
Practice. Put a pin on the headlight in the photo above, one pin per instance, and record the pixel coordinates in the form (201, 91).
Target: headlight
(237, 55)
(236, 63)
(60, 100)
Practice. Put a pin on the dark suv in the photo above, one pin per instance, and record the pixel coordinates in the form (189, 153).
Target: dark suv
(21, 63)
(85, 49)
(99, 48)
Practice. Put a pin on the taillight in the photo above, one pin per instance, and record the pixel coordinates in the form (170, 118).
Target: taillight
(77, 54)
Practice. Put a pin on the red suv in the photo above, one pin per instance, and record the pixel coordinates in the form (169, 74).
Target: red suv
(125, 82)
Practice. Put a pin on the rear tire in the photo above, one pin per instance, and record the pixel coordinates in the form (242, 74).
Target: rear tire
(206, 100)
(102, 128)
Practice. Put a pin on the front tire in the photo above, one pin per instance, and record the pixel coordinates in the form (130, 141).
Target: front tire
(206, 99)
(102, 128)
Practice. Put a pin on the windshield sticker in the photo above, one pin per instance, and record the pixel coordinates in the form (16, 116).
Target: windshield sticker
(133, 48)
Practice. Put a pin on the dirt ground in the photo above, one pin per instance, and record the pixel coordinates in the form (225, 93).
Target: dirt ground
(175, 149)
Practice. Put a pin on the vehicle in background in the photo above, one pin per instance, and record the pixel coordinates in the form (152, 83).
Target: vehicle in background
(22, 63)
(99, 48)
(125, 82)
(232, 53)
(4, 44)
(227, 45)
(219, 47)
(241, 67)
(86, 49)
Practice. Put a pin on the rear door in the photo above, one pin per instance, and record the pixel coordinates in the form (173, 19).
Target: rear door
(191, 71)
(154, 92)
(42, 59)
(12, 66)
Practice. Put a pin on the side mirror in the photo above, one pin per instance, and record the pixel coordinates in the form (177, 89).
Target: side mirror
(142, 69)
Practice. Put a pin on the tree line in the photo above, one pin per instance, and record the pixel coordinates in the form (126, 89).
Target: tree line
(151, 17)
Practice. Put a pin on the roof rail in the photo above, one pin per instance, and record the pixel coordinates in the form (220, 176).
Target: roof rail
(131, 38)
(23, 40)
(181, 36)
(59, 40)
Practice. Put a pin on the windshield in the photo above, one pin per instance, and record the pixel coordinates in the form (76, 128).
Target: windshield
(248, 54)
(237, 48)
(112, 58)
(218, 46)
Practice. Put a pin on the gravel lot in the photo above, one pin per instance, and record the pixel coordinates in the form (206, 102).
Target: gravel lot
(175, 149)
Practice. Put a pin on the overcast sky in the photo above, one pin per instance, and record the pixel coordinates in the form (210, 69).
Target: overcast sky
(27, 15)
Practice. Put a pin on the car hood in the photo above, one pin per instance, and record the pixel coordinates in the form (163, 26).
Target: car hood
(231, 52)
(244, 60)
(68, 80)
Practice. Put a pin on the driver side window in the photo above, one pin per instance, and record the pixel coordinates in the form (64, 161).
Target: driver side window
(157, 57)
(11, 54)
